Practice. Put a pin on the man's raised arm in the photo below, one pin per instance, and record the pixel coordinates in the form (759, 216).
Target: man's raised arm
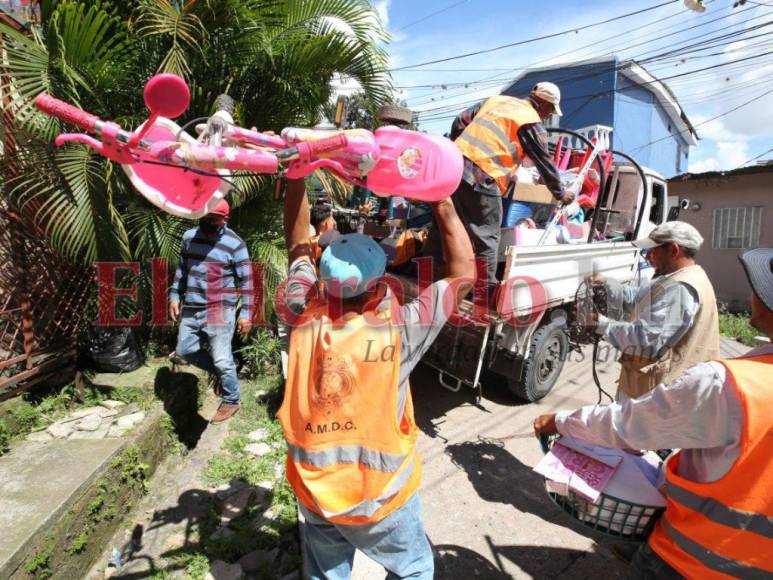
(297, 219)
(457, 248)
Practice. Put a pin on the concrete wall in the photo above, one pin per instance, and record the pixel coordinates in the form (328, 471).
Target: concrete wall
(645, 131)
(722, 266)
(578, 84)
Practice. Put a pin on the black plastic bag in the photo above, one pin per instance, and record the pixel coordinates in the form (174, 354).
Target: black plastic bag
(116, 349)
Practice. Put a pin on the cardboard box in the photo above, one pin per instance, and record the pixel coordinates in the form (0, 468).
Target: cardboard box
(533, 193)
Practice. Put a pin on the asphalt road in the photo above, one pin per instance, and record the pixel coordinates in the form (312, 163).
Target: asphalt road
(486, 512)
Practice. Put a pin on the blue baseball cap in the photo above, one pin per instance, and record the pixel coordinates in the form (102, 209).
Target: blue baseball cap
(351, 262)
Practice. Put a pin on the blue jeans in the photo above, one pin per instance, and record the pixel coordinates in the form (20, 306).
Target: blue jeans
(398, 543)
(196, 333)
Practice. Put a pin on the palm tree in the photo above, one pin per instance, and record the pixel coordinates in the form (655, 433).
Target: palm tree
(277, 58)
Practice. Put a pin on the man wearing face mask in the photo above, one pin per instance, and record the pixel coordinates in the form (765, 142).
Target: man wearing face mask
(213, 271)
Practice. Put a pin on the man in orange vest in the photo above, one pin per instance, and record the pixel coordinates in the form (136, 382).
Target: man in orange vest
(494, 137)
(347, 413)
(718, 521)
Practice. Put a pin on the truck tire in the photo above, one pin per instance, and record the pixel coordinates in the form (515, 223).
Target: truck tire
(540, 371)
(394, 115)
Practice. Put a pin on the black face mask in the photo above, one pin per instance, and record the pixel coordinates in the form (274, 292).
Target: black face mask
(209, 228)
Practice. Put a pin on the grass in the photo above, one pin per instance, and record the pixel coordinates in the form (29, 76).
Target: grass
(737, 326)
(233, 463)
(44, 405)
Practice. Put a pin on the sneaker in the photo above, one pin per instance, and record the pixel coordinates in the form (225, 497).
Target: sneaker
(225, 411)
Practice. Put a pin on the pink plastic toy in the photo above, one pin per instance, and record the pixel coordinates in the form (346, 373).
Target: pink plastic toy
(415, 165)
(187, 177)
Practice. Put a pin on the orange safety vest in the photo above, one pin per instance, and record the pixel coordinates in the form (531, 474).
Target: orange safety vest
(491, 140)
(316, 251)
(725, 528)
(350, 458)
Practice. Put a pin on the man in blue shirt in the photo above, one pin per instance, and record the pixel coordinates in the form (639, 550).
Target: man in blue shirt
(213, 271)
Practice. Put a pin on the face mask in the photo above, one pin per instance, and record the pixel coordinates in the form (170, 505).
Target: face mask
(208, 227)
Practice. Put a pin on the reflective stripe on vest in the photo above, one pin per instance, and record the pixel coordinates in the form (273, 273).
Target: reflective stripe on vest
(725, 527)
(370, 458)
(367, 508)
(720, 513)
(711, 559)
(491, 139)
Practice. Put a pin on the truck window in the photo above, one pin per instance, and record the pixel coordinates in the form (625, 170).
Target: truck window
(618, 219)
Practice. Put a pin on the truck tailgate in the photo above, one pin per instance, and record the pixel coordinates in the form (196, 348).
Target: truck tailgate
(546, 276)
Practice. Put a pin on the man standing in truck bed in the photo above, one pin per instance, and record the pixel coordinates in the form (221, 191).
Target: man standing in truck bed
(494, 137)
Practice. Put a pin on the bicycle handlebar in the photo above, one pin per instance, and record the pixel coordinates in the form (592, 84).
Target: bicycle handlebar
(327, 144)
(66, 112)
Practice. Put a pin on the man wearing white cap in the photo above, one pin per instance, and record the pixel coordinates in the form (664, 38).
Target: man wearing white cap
(494, 136)
(672, 323)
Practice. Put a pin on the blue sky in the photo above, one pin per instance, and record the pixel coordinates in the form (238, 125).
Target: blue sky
(436, 29)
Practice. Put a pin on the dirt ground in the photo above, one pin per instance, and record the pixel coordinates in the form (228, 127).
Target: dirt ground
(485, 511)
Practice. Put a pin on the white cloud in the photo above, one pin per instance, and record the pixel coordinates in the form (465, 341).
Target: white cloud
(728, 155)
(704, 165)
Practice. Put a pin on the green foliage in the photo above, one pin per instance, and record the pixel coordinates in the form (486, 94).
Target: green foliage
(196, 565)
(362, 109)
(737, 326)
(260, 353)
(79, 543)
(277, 59)
(5, 437)
(132, 469)
(27, 419)
(37, 566)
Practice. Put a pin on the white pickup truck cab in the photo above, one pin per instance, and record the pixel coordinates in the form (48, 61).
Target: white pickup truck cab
(523, 344)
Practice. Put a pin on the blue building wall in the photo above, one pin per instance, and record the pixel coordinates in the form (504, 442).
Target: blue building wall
(644, 130)
(595, 94)
(587, 92)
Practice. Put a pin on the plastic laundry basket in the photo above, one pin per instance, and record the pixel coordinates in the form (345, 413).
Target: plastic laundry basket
(611, 516)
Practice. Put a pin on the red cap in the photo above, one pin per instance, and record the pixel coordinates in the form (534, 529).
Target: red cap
(222, 208)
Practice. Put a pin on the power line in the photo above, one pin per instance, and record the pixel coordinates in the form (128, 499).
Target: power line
(537, 38)
(489, 81)
(756, 157)
(727, 38)
(614, 50)
(428, 16)
(724, 114)
(624, 65)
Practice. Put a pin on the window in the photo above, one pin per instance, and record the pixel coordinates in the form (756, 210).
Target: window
(737, 228)
(678, 158)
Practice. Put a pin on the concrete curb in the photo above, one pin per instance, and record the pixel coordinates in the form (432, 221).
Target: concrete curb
(108, 486)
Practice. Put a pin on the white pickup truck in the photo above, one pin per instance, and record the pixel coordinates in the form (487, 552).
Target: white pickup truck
(528, 350)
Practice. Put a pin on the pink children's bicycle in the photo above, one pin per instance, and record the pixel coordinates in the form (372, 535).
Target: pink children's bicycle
(187, 177)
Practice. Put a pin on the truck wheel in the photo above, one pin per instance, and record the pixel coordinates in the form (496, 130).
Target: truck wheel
(541, 369)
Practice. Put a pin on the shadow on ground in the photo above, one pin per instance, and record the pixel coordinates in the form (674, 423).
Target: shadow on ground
(460, 563)
(191, 528)
(500, 477)
(179, 392)
(432, 401)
